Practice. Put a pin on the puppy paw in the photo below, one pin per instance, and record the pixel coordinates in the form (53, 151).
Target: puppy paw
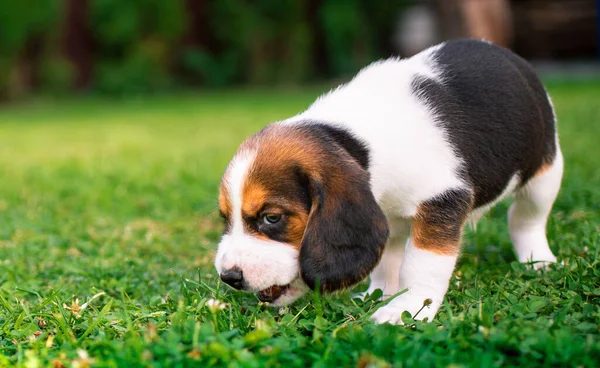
(389, 315)
(543, 264)
(419, 308)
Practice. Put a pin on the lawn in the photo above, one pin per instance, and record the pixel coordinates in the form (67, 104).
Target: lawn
(108, 227)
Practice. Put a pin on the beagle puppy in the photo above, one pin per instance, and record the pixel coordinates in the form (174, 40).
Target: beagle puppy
(379, 176)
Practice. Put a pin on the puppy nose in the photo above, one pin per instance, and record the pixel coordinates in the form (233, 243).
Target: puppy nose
(233, 277)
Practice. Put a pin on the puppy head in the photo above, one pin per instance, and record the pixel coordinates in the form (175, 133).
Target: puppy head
(299, 213)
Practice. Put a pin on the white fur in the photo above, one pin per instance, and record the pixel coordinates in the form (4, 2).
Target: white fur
(551, 106)
(386, 276)
(378, 106)
(527, 216)
(411, 162)
(236, 177)
(364, 105)
(426, 275)
(296, 290)
(263, 263)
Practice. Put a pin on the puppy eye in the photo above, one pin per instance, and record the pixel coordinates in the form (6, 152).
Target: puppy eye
(271, 219)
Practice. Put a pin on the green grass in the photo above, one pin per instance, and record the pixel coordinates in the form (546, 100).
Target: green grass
(113, 204)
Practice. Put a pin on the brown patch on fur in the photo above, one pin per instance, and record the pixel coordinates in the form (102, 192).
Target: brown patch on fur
(254, 197)
(542, 169)
(322, 191)
(296, 228)
(437, 226)
(281, 151)
(272, 184)
(274, 198)
(224, 205)
(273, 178)
(436, 239)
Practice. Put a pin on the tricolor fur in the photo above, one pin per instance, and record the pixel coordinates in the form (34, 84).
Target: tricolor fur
(380, 175)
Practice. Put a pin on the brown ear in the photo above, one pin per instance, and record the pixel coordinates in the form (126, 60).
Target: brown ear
(346, 230)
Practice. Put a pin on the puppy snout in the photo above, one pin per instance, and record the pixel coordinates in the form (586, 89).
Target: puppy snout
(234, 278)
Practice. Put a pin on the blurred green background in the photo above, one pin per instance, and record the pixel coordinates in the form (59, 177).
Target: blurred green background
(133, 47)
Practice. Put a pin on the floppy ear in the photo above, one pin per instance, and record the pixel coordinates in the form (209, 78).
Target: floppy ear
(346, 230)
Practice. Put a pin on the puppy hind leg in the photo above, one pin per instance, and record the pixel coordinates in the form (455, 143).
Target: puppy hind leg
(529, 213)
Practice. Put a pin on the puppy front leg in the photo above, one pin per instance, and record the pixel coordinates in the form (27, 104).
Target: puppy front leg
(386, 275)
(426, 275)
(430, 257)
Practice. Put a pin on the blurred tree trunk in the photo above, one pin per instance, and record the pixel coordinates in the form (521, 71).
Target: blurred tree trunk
(490, 20)
(482, 19)
(77, 42)
(198, 37)
(25, 74)
(31, 61)
(199, 33)
(315, 24)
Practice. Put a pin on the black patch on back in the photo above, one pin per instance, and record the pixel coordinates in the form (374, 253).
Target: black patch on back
(495, 112)
(344, 139)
